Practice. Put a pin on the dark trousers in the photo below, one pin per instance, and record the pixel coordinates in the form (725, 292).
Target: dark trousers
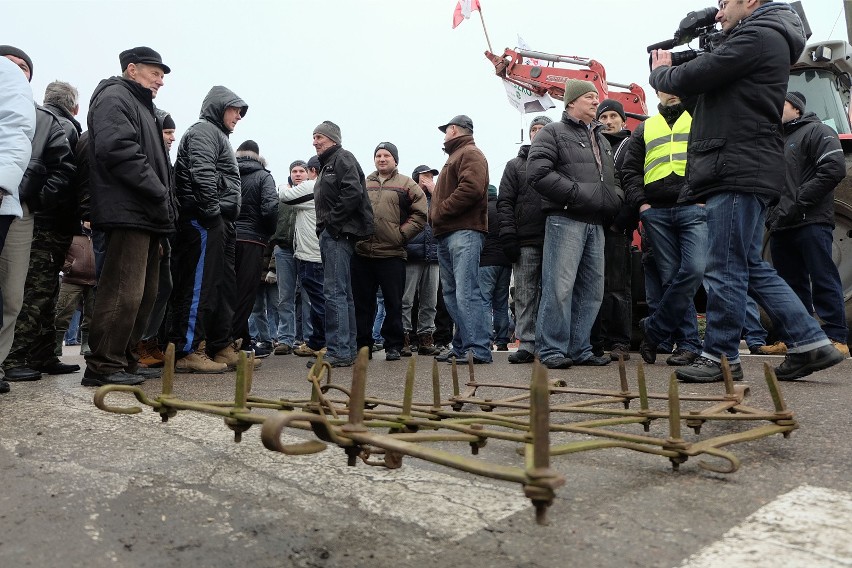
(164, 291)
(248, 266)
(311, 277)
(197, 265)
(368, 274)
(615, 318)
(220, 331)
(126, 292)
(802, 257)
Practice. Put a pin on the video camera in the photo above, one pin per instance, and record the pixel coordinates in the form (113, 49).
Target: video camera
(699, 24)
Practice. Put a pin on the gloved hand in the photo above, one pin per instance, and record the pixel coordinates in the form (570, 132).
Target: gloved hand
(511, 247)
(271, 278)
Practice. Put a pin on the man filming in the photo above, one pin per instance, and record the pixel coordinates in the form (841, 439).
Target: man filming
(736, 165)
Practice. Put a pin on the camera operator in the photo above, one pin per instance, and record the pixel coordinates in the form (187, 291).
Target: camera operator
(735, 164)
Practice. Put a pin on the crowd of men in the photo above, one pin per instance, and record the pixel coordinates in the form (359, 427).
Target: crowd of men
(212, 255)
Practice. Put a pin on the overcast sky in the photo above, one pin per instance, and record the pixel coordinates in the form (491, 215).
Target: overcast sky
(382, 70)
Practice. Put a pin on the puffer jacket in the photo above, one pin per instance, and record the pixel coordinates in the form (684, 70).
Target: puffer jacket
(519, 205)
(340, 197)
(492, 251)
(259, 209)
(206, 171)
(736, 143)
(399, 213)
(423, 247)
(128, 163)
(815, 165)
(16, 133)
(460, 200)
(47, 184)
(563, 168)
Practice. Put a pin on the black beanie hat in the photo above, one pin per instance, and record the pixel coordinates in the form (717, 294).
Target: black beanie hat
(169, 123)
(390, 147)
(314, 163)
(796, 99)
(608, 105)
(15, 52)
(249, 146)
(297, 163)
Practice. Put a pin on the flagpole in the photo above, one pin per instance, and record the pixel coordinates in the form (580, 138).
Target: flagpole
(487, 40)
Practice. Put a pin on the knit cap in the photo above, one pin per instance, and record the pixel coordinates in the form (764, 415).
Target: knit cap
(576, 88)
(390, 147)
(330, 130)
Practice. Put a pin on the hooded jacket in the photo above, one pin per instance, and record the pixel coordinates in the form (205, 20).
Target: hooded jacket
(815, 165)
(17, 128)
(563, 168)
(399, 213)
(259, 209)
(128, 163)
(518, 205)
(342, 204)
(736, 144)
(206, 171)
(460, 200)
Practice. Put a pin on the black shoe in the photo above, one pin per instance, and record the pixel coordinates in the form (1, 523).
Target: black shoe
(558, 363)
(261, 351)
(17, 374)
(377, 347)
(593, 361)
(704, 370)
(446, 355)
(58, 368)
(648, 352)
(392, 354)
(4, 387)
(797, 365)
(619, 349)
(92, 379)
(502, 347)
(681, 358)
(148, 372)
(333, 362)
(463, 361)
(521, 356)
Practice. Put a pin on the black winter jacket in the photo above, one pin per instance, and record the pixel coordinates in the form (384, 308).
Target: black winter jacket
(563, 168)
(626, 220)
(259, 209)
(423, 247)
(519, 208)
(815, 165)
(66, 218)
(128, 163)
(492, 252)
(661, 193)
(340, 196)
(206, 171)
(736, 139)
(47, 183)
(69, 124)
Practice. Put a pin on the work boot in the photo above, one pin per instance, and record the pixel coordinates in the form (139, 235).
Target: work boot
(777, 348)
(681, 358)
(230, 355)
(619, 349)
(199, 362)
(282, 349)
(406, 346)
(842, 347)
(392, 354)
(427, 345)
(304, 351)
(149, 353)
(704, 370)
(798, 365)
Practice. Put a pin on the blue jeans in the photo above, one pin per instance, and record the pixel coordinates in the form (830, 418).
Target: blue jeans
(678, 237)
(264, 314)
(802, 257)
(494, 283)
(527, 296)
(736, 270)
(380, 318)
(285, 272)
(458, 257)
(572, 286)
(339, 305)
(753, 331)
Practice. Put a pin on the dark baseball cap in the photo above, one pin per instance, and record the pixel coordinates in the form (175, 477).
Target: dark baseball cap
(142, 55)
(462, 120)
(415, 175)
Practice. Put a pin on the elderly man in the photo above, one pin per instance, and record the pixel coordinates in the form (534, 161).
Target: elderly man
(460, 223)
(571, 165)
(131, 203)
(17, 128)
(344, 216)
(399, 209)
(205, 282)
(736, 165)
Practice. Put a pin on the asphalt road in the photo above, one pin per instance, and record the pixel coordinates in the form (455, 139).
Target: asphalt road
(82, 487)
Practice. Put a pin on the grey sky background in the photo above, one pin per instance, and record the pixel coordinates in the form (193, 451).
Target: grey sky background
(382, 70)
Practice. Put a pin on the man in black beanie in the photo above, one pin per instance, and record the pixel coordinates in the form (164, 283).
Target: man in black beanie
(344, 216)
(19, 58)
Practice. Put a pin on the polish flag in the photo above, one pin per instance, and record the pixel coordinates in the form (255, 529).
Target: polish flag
(463, 10)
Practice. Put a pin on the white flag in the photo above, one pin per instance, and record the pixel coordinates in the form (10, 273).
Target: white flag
(523, 45)
(526, 101)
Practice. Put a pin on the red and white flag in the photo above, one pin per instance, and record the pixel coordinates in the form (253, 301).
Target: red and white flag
(463, 10)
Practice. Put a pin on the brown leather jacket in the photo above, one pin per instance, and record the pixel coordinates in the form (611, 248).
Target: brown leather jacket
(460, 200)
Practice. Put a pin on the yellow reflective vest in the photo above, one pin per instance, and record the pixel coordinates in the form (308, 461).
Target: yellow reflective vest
(665, 147)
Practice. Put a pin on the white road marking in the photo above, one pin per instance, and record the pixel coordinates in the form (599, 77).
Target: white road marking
(809, 527)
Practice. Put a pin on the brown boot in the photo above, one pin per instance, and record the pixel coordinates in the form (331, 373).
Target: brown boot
(149, 353)
(406, 345)
(230, 354)
(199, 362)
(427, 345)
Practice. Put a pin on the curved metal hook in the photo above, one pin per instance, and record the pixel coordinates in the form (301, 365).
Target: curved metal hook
(101, 393)
(270, 434)
(733, 461)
